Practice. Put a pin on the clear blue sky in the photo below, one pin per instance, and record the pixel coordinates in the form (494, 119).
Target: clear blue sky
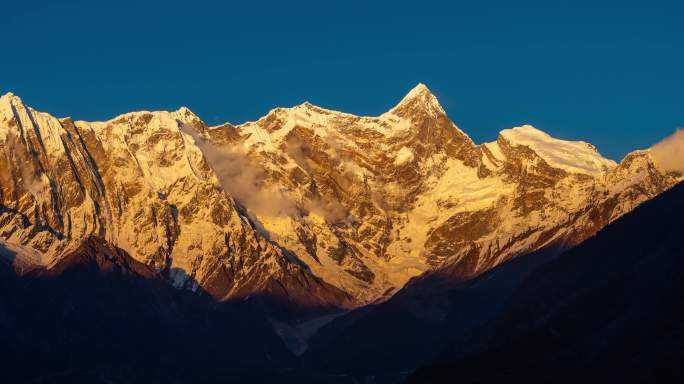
(607, 72)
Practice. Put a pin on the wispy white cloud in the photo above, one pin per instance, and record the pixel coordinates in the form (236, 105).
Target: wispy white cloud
(247, 182)
(669, 153)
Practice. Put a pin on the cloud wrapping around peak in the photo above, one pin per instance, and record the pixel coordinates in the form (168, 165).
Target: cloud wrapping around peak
(668, 154)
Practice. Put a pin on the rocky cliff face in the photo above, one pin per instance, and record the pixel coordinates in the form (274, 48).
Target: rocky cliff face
(142, 184)
(312, 206)
(369, 202)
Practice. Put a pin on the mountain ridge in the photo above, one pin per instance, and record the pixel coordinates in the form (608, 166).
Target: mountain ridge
(420, 91)
(420, 95)
(103, 317)
(315, 205)
(315, 148)
(607, 309)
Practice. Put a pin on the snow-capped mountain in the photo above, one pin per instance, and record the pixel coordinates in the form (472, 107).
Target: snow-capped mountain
(315, 207)
(613, 299)
(143, 185)
(369, 202)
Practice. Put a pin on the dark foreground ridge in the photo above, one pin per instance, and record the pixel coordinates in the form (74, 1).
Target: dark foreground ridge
(99, 316)
(609, 310)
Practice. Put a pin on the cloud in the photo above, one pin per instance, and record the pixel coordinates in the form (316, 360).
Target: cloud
(246, 181)
(669, 153)
(299, 151)
(405, 155)
(331, 211)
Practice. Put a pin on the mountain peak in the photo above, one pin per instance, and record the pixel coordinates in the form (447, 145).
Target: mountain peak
(421, 92)
(418, 99)
(418, 89)
(572, 156)
(10, 98)
(9, 103)
(306, 104)
(186, 112)
(527, 129)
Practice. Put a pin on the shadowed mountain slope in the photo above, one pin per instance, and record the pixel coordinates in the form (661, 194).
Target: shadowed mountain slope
(609, 310)
(99, 316)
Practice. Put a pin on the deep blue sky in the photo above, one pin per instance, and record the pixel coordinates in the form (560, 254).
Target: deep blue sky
(611, 74)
